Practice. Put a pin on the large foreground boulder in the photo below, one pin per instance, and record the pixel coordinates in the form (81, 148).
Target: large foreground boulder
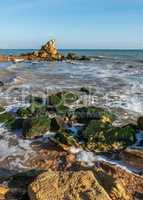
(79, 185)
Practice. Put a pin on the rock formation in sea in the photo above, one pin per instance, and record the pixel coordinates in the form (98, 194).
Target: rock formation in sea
(48, 51)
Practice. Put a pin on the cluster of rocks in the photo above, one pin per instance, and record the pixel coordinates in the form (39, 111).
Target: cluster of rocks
(47, 52)
(70, 179)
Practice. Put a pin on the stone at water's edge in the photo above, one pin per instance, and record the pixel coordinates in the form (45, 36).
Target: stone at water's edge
(133, 157)
(79, 185)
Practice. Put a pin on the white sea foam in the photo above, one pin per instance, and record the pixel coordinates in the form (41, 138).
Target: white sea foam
(14, 151)
(91, 158)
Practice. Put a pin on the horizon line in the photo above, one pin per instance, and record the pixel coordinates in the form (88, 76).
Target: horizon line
(74, 49)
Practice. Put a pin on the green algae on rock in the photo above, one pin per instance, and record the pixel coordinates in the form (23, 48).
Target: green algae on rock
(104, 137)
(36, 126)
(86, 114)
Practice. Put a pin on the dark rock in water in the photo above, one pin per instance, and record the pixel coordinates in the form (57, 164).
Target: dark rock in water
(1, 109)
(1, 84)
(140, 123)
(35, 99)
(54, 127)
(85, 90)
(72, 56)
(36, 126)
(23, 112)
(86, 114)
(85, 58)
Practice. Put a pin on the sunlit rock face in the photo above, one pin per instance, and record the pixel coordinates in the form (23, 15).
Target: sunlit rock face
(48, 51)
(67, 185)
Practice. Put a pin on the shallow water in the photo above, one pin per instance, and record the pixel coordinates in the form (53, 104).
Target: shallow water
(115, 76)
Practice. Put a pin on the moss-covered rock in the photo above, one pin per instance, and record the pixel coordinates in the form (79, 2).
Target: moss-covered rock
(54, 126)
(70, 97)
(125, 135)
(36, 126)
(1, 109)
(8, 119)
(104, 137)
(86, 114)
(23, 112)
(35, 99)
(65, 140)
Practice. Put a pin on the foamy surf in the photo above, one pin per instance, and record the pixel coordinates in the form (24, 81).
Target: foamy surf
(91, 159)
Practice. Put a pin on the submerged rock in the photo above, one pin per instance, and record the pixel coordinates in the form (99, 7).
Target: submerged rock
(79, 185)
(1, 84)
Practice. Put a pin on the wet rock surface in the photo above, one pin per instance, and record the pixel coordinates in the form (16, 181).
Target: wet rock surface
(133, 157)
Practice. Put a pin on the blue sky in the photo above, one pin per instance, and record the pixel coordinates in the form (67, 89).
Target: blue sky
(73, 23)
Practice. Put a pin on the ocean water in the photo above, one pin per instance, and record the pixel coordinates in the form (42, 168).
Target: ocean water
(117, 75)
(115, 78)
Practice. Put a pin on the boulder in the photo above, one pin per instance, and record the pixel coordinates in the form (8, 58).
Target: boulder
(86, 114)
(133, 157)
(48, 51)
(140, 123)
(79, 185)
(102, 136)
(1, 84)
(4, 192)
(36, 126)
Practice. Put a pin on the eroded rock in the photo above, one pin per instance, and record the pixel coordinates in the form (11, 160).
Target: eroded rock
(79, 185)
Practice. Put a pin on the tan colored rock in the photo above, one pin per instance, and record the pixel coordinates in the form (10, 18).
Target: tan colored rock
(3, 192)
(133, 157)
(49, 50)
(79, 185)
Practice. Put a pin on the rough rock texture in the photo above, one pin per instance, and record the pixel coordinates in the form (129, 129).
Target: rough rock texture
(133, 157)
(48, 50)
(133, 184)
(3, 192)
(79, 185)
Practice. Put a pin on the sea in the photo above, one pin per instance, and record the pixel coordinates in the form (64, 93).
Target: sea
(114, 77)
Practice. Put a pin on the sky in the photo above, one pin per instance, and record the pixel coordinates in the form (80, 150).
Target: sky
(93, 24)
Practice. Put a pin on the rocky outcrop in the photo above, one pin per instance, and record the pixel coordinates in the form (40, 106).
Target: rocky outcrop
(48, 51)
(133, 184)
(133, 157)
(67, 185)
